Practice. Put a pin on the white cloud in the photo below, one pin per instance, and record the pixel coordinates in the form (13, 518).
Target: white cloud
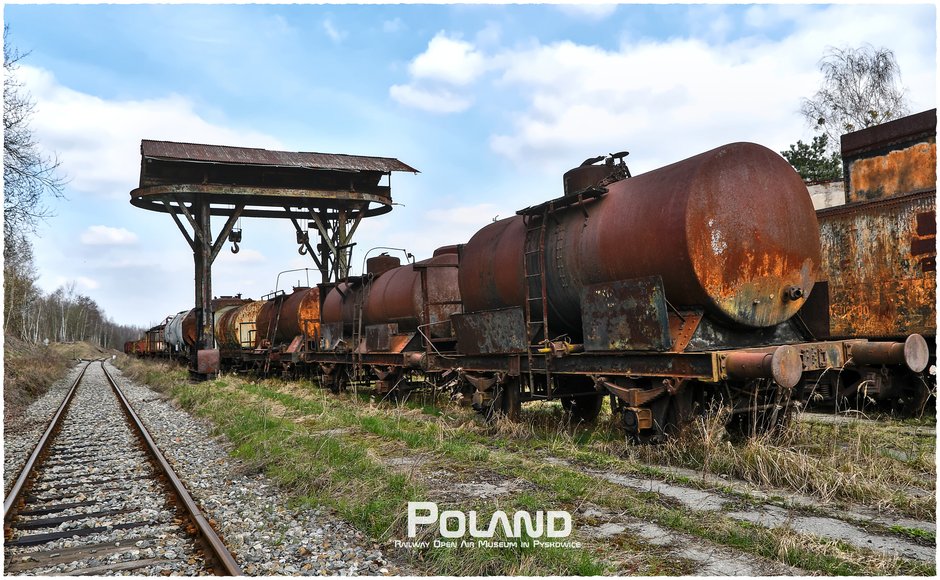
(762, 16)
(489, 35)
(475, 215)
(445, 224)
(434, 100)
(665, 100)
(79, 283)
(107, 236)
(588, 11)
(449, 61)
(447, 65)
(335, 34)
(244, 257)
(97, 141)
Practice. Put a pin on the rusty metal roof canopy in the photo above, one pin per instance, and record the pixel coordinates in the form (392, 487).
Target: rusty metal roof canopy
(170, 150)
(329, 191)
(269, 183)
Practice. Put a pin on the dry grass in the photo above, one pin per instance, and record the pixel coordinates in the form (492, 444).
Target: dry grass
(874, 564)
(845, 462)
(30, 369)
(161, 376)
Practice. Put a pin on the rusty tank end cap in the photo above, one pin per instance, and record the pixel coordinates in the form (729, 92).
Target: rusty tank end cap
(916, 353)
(786, 366)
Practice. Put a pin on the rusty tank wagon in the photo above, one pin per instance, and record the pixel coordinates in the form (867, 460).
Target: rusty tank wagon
(391, 311)
(666, 292)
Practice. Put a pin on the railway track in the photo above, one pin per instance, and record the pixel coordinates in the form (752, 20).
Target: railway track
(97, 497)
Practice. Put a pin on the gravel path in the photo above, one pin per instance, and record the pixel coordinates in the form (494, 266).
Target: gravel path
(265, 535)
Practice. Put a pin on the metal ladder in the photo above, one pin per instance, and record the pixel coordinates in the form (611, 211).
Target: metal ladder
(272, 329)
(357, 326)
(536, 302)
(272, 333)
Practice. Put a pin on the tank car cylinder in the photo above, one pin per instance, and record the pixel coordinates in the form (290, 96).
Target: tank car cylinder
(339, 306)
(238, 326)
(299, 314)
(189, 328)
(731, 230)
(219, 318)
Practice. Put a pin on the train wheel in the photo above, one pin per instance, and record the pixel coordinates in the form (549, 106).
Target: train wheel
(504, 402)
(761, 408)
(338, 382)
(664, 422)
(584, 408)
(670, 413)
(584, 403)
(914, 397)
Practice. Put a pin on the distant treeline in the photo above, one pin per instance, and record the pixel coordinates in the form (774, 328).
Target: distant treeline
(61, 316)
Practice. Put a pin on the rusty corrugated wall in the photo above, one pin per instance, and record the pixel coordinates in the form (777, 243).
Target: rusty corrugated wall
(895, 158)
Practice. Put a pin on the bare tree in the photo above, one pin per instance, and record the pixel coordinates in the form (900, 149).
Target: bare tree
(19, 284)
(29, 176)
(860, 89)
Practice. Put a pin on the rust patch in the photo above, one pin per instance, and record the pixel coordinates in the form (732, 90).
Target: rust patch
(237, 327)
(878, 285)
(297, 314)
(628, 315)
(730, 230)
(894, 173)
(491, 332)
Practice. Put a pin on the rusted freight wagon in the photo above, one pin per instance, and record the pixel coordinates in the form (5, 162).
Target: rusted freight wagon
(155, 344)
(879, 252)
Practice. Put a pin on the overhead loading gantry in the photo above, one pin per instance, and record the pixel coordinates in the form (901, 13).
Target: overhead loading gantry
(324, 192)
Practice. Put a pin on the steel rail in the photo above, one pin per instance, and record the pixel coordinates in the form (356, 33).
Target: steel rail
(40, 448)
(206, 533)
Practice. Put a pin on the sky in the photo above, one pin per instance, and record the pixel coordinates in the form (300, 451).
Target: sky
(491, 103)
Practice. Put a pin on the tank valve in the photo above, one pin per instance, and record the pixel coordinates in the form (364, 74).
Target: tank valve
(793, 293)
